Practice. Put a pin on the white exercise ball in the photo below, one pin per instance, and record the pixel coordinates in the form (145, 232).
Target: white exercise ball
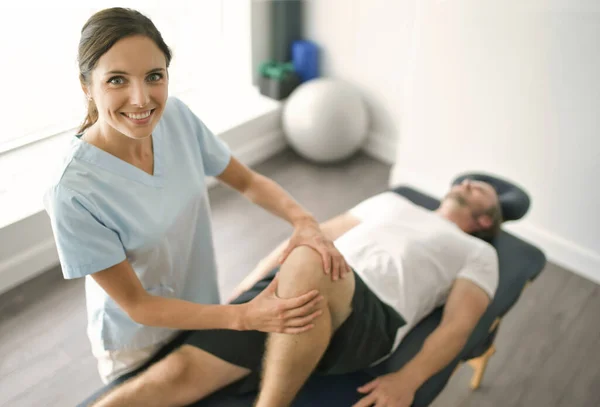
(325, 120)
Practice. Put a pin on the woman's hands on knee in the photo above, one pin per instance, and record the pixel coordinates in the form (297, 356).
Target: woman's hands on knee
(269, 313)
(309, 234)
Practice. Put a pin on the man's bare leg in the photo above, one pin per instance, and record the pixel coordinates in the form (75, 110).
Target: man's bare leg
(184, 376)
(290, 359)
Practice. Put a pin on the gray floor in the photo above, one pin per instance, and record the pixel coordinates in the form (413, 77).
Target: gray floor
(548, 346)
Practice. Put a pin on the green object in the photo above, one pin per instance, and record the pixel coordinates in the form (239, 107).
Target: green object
(278, 89)
(276, 70)
(277, 79)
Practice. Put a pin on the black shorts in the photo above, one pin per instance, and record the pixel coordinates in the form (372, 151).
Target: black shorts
(366, 336)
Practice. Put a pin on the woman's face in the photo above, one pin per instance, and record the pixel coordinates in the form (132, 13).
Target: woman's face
(130, 87)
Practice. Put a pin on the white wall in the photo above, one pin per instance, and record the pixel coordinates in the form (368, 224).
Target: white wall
(365, 42)
(495, 86)
(514, 91)
(260, 36)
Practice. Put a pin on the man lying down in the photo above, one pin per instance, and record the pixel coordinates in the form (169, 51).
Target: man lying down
(406, 262)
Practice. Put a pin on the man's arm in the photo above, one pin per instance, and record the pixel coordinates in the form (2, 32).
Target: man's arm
(466, 304)
(332, 229)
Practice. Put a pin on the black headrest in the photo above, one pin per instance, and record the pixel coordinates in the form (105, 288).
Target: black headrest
(513, 199)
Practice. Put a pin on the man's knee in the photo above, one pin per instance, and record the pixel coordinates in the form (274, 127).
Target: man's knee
(302, 271)
(170, 373)
(177, 367)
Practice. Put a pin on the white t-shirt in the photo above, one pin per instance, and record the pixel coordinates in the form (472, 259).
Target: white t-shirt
(410, 256)
(104, 210)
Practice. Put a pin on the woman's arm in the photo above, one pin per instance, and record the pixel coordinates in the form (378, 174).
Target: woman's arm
(266, 312)
(273, 198)
(264, 192)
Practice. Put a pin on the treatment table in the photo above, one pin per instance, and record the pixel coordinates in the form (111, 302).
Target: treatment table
(520, 263)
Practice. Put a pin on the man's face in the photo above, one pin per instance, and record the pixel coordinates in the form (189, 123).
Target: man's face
(477, 196)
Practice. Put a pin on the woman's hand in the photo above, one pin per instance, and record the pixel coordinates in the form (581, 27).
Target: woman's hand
(269, 313)
(309, 234)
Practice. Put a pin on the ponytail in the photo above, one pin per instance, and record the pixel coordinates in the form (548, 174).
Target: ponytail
(90, 118)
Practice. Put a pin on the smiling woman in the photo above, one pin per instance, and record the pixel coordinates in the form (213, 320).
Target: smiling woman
(129, 206)
(123, 62)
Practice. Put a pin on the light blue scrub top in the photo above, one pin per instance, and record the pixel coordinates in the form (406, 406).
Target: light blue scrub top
(104, 210)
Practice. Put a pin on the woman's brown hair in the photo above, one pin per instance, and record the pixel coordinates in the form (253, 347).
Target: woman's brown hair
(100, 33)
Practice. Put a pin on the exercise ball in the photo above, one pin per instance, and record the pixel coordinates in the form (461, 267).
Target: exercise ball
(325, 120)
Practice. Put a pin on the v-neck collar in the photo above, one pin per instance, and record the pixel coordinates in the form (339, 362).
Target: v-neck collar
(109, 162)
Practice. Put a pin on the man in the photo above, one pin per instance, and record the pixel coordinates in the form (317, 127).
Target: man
(406, 261)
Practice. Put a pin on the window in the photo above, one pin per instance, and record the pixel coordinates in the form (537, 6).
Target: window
(41, 94)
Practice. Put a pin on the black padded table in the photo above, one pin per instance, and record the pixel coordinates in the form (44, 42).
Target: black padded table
(520, 262)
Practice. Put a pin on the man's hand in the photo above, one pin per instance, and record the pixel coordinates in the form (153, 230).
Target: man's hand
(308, 233)
(391, 390)
(466, 304)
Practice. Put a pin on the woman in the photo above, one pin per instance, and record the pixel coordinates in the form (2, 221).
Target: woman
(129, 210)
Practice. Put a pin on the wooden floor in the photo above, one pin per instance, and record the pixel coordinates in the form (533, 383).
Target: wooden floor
(548, 348)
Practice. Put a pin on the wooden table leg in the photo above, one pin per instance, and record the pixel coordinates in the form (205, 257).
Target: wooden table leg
(479, 364)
